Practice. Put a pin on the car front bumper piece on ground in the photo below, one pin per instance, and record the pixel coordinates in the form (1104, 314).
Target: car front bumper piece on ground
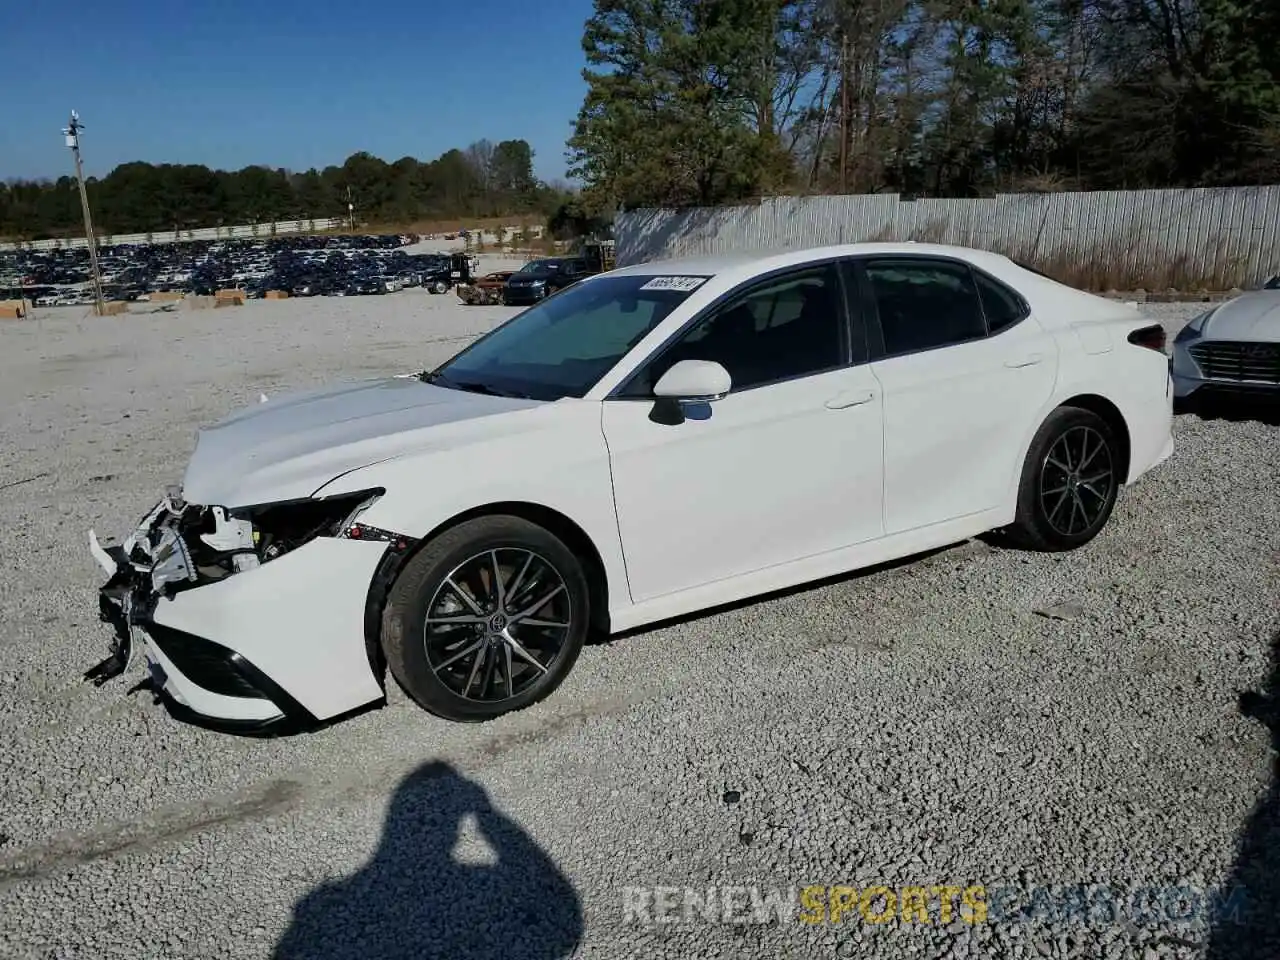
(237, 642)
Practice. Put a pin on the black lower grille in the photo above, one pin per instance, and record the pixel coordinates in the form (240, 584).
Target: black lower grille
(1239, 362)
(208, 665)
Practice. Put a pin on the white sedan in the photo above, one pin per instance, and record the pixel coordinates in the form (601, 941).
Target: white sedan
(1232, 348)
(652, 441)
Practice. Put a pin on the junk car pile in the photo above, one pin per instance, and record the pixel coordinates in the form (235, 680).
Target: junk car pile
(297, 266)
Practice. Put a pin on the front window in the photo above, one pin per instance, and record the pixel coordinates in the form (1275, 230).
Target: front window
(564, 345)
(540, 267)
(788, 327)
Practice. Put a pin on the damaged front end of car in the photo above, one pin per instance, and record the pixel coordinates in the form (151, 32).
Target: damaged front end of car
(197, 653)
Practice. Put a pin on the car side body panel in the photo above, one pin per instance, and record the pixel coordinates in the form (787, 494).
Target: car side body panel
(1095, 359)
(1134, 379)
(804, 570)
(552, 456)
(750, 481)
(954, 418)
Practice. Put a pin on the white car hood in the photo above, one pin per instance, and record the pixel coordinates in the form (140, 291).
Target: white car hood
(293, 444)
(1250, 317)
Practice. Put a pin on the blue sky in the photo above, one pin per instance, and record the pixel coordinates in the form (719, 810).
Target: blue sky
(291, 83)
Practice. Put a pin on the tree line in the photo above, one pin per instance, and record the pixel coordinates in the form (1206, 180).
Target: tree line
(700, 102)
(484, 180)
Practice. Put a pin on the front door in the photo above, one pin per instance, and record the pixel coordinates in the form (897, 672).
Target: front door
(787, 466)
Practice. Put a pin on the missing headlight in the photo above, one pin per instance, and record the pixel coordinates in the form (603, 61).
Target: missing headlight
(173, 563)
(281, 527)
(206, 544)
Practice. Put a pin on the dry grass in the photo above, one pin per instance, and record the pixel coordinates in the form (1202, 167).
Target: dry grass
(1122, 263)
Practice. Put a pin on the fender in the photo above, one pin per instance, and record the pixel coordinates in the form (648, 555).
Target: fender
(1144, 407)
(560, 463)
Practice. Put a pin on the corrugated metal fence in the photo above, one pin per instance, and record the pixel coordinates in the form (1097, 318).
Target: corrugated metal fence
(1216, 238)
(242, 232)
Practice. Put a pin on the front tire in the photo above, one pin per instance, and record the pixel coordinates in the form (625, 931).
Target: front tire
(1069, 484)
(486, 619)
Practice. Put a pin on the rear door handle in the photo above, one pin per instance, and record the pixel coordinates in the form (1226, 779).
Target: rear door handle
(850, 399)
(1028, 361)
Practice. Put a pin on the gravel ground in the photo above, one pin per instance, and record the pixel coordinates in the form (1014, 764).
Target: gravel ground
(918, 725)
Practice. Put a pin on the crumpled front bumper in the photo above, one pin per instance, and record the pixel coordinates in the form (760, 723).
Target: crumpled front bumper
(278, 647)
(125, 601)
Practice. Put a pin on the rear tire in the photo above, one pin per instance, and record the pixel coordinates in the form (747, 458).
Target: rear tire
(1069, 483)
(471, 646)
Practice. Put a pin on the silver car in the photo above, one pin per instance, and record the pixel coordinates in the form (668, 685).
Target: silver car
(1232, 348)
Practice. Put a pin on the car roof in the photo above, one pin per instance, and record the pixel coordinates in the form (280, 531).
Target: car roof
(750, 262)
(1056, 303)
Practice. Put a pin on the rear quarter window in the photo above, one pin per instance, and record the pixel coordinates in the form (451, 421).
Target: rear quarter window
(1003, 308)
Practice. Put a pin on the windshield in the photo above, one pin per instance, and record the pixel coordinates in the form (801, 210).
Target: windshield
(563, 345)
(541, 266)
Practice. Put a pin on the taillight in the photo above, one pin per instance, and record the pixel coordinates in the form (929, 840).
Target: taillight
(1152, 337)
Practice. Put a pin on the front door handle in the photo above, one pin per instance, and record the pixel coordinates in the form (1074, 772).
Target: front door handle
(1028, 361)
(850, 399)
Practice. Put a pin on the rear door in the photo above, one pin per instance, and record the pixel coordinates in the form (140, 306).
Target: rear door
(965, 369)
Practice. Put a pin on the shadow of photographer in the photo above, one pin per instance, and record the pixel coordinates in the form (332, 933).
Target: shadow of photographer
(1255, 933)
(415, 899)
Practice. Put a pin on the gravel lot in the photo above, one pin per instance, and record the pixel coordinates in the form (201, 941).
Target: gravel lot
(918, 725)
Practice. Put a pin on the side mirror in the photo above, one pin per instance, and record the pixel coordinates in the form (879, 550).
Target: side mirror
(694, 381)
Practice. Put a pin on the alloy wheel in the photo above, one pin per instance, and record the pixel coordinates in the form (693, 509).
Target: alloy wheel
(1076, 480)
(497, 623)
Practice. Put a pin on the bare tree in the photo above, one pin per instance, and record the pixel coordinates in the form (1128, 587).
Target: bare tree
(480, 156)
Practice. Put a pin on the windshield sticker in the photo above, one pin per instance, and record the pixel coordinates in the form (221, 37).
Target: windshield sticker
(683, 284)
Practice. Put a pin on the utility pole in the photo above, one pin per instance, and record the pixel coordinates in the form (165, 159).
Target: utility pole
(72, 132)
